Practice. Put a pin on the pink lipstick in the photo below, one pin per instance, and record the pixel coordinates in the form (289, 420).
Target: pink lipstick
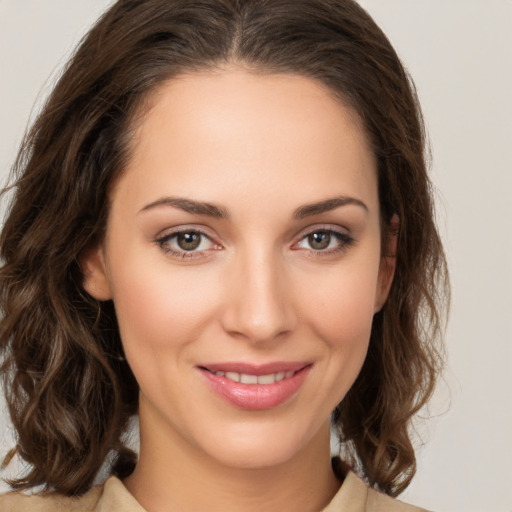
(255, 387)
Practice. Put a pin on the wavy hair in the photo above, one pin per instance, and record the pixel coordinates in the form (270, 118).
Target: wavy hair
(69, 390)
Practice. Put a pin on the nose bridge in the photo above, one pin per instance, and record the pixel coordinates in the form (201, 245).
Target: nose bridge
(258, 307)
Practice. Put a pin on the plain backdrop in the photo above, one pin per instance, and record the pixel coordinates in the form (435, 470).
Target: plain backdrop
(460, 55)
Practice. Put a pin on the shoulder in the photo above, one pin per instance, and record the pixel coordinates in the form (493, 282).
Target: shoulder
(49, 502)
(356, 496)
(380, 502)
(112, 496)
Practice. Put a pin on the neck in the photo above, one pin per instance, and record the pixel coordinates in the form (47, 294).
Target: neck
(173, 475)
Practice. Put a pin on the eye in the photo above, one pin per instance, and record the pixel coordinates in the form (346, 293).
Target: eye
(186, 243)
(325, 240)
(320, 240)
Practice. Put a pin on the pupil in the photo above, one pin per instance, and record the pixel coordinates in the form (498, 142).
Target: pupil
(189, 241)
(319, 240)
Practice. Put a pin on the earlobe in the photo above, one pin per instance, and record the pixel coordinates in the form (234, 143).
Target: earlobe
(95, 282)
(387, 264)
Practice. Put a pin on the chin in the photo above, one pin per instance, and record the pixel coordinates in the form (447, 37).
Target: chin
(255, 456)
(263, 446)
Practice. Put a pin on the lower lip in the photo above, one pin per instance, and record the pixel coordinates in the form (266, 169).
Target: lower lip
(256, 396)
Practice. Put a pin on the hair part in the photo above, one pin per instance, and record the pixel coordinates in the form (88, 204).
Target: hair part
(69, 390)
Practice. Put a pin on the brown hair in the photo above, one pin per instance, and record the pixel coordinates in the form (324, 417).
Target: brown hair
(69, 391)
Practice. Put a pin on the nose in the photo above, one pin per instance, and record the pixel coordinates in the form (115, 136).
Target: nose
(259, 305)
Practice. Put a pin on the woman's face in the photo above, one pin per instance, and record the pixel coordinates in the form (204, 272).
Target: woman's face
(243, 244)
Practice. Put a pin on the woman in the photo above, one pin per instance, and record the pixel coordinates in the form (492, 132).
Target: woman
(222, 222)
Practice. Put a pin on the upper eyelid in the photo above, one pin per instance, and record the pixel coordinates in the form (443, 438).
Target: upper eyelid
(333, 228)
(169, 232)
(203, 230)
(163, 241)
(344, 234)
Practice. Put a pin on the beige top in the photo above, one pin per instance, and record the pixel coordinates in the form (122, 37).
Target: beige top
(112, 496)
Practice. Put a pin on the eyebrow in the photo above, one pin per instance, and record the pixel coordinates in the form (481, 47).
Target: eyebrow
(189, 206)
(327, 205)
(211, 210)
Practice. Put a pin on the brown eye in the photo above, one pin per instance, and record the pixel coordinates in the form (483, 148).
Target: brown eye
(325, 242)
(188, 241)
(187, 244)
(319, 240)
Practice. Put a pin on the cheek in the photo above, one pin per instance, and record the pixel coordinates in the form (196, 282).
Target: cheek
(160, 309)
(341, 306)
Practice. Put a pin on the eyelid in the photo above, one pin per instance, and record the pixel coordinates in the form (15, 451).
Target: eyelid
(344, 236)
(184, 228)
(333, 228)
(167, 234)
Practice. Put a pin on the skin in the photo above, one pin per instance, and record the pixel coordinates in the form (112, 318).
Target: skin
(258, 147)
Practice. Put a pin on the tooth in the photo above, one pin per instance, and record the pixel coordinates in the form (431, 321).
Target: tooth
(248, 379)
(267, 379)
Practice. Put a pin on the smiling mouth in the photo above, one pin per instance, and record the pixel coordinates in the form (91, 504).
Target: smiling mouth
(246, 378)
(255, 387)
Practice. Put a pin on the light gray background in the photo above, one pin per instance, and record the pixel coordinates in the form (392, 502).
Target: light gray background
(460, 55)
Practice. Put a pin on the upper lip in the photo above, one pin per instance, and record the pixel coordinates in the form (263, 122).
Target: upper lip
(256, 369)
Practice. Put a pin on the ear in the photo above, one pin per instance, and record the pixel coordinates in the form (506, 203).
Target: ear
(95, 283)
(387, 263)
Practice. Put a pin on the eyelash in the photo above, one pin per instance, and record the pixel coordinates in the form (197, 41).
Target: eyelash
(344, 242)
(163, 243)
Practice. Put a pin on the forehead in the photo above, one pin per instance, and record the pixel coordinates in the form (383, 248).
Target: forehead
(215, 132)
